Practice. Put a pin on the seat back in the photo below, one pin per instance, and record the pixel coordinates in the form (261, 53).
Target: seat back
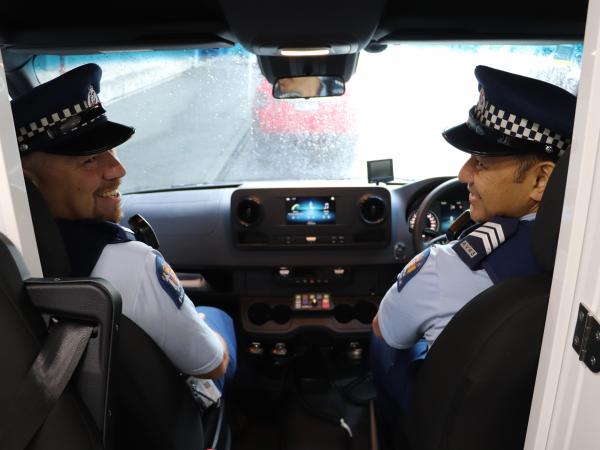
(156, 410)
(474, 389)
(51, 247)
(22, 331)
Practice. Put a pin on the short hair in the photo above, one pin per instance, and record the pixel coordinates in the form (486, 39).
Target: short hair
(528, 160)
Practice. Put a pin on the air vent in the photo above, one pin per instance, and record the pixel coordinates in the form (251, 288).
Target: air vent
(372, 209)
(249, 212)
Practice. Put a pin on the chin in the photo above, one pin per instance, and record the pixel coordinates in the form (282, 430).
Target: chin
(478, 217)
(113, 216)
(118, 215)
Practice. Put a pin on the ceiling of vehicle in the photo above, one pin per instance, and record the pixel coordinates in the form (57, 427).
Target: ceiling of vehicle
(343, 26)
(55, 25)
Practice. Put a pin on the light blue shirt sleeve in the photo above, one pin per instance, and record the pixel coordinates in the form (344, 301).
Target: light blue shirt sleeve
(426, 302)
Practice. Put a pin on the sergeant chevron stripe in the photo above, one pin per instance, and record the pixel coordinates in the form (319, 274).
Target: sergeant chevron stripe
(478, 244)
(491, 235)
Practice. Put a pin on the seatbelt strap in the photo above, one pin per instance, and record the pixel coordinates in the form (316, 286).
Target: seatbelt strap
(44, 383)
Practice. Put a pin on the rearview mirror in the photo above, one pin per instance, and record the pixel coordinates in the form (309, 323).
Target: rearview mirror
(308, 87)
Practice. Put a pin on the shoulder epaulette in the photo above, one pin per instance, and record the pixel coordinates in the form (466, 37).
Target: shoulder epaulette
(479, 243)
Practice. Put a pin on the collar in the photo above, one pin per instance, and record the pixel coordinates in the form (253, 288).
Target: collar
(528, 217)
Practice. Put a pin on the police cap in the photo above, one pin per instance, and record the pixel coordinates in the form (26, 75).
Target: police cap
(515, 115)
(64, 116)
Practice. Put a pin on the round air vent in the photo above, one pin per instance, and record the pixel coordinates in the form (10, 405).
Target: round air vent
(372, 209)
(249, 212)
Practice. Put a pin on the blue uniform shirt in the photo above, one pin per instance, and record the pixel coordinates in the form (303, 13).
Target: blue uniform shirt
(430, 291)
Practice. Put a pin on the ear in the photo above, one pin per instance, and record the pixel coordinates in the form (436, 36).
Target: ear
(541, 174)
(31, 165)
(31, 175)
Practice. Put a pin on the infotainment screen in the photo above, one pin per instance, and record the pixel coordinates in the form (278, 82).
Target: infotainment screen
(310, 210)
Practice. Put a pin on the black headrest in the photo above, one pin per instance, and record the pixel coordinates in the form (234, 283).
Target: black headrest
(547, 223)
(51, 247)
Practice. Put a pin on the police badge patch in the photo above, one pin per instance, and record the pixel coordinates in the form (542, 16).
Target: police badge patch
(412, 268)
(169, 281)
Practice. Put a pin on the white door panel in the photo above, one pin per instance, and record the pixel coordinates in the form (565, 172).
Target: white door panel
(15, 219)
(564, 414)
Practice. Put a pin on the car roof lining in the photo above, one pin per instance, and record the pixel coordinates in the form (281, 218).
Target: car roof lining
(347, 26)
(211, 22)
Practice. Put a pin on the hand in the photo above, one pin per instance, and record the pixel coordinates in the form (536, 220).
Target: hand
(376, 329)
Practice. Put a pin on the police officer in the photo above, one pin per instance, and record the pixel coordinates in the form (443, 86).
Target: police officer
(514, 134)
(67, 146)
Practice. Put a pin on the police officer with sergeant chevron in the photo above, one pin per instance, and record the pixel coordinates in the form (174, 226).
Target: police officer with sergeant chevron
(515, 133)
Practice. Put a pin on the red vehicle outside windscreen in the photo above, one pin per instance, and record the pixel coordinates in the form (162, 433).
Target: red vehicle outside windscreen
(316, 116)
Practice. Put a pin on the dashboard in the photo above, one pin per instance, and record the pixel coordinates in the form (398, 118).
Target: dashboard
(440, 216)
(300, 217)
(285, 259)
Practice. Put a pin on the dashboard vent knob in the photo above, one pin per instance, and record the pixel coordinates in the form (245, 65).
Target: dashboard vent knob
(372, 209)
(249, 212)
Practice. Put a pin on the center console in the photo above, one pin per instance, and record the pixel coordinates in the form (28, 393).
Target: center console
(284, 300)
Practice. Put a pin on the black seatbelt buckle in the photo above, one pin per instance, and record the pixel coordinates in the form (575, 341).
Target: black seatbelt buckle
(461, 223)
(143, 231)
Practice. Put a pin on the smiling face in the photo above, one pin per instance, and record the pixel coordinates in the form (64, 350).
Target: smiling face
(78, 187)
(497, 186)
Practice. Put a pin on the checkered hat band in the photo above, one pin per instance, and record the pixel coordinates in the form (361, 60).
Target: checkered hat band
(495, 118)
(33, 129)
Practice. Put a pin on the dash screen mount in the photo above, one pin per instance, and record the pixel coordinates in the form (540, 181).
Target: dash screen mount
(380, 171)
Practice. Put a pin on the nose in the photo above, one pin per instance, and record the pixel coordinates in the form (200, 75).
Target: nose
(113, 167)
(465, 175)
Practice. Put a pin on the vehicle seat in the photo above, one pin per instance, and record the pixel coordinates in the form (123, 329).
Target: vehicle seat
(70, 424)
(474, 389)
(155, 409)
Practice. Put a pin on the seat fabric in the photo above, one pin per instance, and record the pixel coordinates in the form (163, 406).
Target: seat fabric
(69, 426)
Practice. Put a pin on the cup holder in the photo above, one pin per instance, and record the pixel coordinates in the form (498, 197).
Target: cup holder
(281, 314)
(261, 313)
(343, 313)
(363, 311)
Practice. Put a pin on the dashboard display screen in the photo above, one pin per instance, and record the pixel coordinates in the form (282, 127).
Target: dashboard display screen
(310, 210)
(449, 211)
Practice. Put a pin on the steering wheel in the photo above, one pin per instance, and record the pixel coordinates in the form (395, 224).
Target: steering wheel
(435, 195)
